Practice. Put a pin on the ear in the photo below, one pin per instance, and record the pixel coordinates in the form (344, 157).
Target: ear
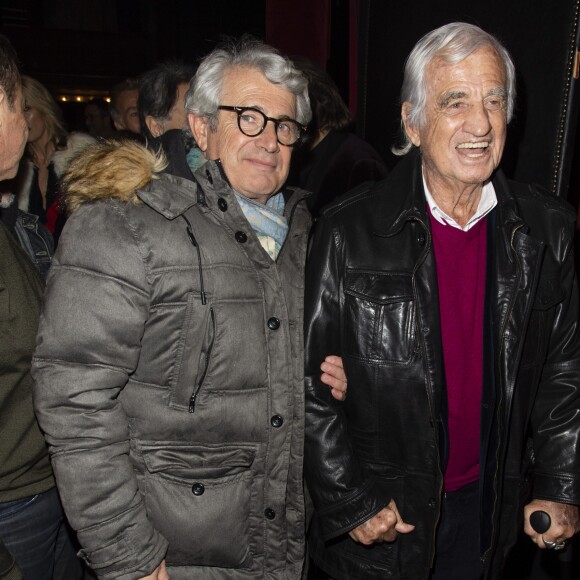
(199, 126)
(411, 131)
(119, 126)
(155, 127)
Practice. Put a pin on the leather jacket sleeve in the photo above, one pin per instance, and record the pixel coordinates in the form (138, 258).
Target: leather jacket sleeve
(554, 418)
(344, 495)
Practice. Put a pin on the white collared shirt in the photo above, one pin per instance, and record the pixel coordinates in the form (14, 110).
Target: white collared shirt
(487, 202)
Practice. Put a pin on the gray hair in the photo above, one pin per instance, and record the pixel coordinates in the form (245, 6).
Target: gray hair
(453, 43)
(204, 93)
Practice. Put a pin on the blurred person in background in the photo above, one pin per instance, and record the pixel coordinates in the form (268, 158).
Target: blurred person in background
(48, 152)
(124, 106)
(163, 118)
(98, 119)
(333, 159)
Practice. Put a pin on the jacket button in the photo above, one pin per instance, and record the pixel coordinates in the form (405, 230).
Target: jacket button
(241, 237)
(421, 239)
(198, 488)
(270, 513)
(222, 204)
(273, 323)
(277, 421)
(432, 502)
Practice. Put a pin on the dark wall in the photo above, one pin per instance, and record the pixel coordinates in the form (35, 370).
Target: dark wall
(88, 45)
(542, 40)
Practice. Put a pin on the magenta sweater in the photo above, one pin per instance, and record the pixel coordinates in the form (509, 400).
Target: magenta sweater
(460, 258)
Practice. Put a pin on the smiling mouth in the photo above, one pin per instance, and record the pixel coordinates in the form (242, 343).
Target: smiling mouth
(474, 149)
(262, 163)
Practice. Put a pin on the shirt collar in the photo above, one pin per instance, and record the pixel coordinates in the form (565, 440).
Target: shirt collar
(487, 202)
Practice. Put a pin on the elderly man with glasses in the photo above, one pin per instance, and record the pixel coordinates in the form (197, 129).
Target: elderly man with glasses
(169, 365)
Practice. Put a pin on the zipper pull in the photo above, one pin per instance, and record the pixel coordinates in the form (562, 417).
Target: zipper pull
(192, 402)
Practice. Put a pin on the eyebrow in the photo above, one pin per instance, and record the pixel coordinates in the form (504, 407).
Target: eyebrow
(261, 109)
(257, 107)
(451, 96)
(497, 92)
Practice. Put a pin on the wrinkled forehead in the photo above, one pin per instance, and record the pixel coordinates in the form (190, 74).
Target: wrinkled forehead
(482, 66)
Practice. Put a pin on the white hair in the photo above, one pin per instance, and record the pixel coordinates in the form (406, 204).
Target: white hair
(204, 93)
(453, 43)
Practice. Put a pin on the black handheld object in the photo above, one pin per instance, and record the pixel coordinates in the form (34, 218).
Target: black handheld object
(540, 521)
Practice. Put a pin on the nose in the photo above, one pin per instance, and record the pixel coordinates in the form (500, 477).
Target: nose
(477, 120)
(268, 139)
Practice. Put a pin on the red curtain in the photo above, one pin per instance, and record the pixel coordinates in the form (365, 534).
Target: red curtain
(300, 27)
(303, 27)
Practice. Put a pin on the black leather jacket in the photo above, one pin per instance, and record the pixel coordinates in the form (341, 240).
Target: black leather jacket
(371, 297)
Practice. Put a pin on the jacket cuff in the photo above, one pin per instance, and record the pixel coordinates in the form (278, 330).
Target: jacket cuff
(345, 515)
(560, 488)
(130, 555)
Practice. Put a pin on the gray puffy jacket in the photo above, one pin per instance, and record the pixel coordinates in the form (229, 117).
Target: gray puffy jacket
(169, 374)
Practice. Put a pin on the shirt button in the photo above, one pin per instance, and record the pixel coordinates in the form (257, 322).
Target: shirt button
(273, 323)
(277, 421)
(222, 204)
(241, 237)
(197, 488)
(270, 513)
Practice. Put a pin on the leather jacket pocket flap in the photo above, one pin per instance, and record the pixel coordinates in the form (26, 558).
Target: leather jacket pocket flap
(550, 292)
(381, 305)
(207, 461)
(379, 287)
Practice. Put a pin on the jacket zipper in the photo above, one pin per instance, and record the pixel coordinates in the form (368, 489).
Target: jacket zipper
(203, 298)
(194, 243)
(193, 398)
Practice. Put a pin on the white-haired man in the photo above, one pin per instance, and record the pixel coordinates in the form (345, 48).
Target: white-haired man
(450, 293)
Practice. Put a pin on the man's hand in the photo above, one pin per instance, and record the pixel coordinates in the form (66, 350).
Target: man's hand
(160, 573)
(383, 527)
(565, 521)
(333, 376)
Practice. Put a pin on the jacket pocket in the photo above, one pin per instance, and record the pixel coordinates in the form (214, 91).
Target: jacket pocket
(198, 498)
(193, 353)
(379, 316)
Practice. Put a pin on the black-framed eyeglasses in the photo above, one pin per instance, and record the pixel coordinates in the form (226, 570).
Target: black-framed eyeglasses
(252, 122)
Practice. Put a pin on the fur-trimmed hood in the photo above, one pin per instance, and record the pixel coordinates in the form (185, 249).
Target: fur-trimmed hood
(110, 170)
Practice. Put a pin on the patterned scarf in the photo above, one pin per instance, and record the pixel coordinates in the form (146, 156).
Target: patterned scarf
(268, 221)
